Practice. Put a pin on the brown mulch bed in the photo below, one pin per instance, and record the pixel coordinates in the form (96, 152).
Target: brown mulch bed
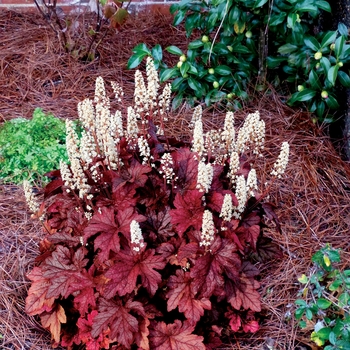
(313, 197)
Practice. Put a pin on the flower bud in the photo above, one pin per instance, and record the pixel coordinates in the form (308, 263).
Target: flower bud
(205, 39)
(301, 88)
(248, 34)
(340, 64)
(216, 84)
(332, 46)
(211, 71)
(324, 94)
(179, 64)
(318, 55)
(183, 58)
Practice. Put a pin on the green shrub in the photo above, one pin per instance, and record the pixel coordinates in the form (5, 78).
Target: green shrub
(243, 40)
(325, 300)
(30, 148)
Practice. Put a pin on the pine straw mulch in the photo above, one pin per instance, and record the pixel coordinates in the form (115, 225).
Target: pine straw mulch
(313, 197)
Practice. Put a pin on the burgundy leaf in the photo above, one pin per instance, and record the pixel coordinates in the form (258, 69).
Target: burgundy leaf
(116, 316)
(36, 301)
(175, 336)
(189, 211)
(209, 268)
(65, 272)
(85, 299)
(243, 293)
(128, 267)
(181, 295)
(266, 250)
(185, 168)
(102, 221)
(124, 197)
(52, 320)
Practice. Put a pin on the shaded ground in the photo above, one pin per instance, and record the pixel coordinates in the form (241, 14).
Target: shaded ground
(313, 197)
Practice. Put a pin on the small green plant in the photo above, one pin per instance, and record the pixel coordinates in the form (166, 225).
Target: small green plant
(325, 302)
(254, 41)
(30, 148)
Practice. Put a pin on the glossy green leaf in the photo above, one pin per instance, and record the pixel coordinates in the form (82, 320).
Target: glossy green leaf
(306, 8)
(312, 43)
(321, 107)
(274, 62)
(332, 74)
(343, 29)
(177, 101)
(291, 19)
(277, 19)
(339, 46)
(323, 333)
(302, 96)
(287, 49)
(174, 50)
(308, 314)
(184, 68)
(175, 85)
(142, 49)
(223, 70)
(135, 60)
(344, 79)
(331, 102)
(157, 52)
(326, 65)
(234, 15)
(300, 302)
(192, 69)
(168, 73)
(299, 313)
(328, 39)
(194, 84)
(324, 5)
(195, 44)
(323, 303)
(314, 80)
(179, 17)
(344, 299)
(260, 3)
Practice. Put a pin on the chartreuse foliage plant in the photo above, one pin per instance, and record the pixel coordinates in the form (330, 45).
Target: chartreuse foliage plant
(324, 305)
(149, 240)
(30, 148)
(242, 40)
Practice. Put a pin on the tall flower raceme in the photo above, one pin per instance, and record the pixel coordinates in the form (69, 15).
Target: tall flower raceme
(149, 239)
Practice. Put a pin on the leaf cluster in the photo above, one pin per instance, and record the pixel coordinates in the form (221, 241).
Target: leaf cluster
(328, 311)
(242, 40)
(94, 284)
(30, 148)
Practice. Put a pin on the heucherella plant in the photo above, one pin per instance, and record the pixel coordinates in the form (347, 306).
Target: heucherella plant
(149, 239)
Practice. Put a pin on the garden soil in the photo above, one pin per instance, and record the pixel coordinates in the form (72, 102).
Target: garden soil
(313, 198)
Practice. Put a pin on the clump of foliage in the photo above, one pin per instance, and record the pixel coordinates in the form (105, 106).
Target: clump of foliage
(30, 148)
(78, 41)
(325, 304)
(149, 240)
(242, 40)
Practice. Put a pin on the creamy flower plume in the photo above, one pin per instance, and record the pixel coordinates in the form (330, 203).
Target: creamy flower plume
(167, 167)
(282, 161)
(152, 82)
(241, 195)
(30, 197)
(136, 236)
(208, 229)
(198, 139)
(205, 176)
(228, 134)
(227, 208)
(144, 149)
(252, 183)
